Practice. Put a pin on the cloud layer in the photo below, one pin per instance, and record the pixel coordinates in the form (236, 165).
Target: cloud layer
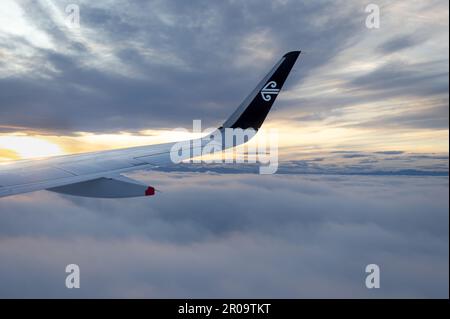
(233, 236)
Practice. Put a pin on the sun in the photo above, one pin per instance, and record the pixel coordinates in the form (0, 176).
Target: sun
(24, 146)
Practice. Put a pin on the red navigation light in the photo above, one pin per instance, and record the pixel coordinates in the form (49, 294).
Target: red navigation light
(150, 191)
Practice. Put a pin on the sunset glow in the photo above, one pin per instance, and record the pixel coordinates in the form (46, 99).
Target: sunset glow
(22, 146)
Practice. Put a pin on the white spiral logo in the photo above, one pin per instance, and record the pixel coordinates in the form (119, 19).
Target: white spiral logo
(268, 90)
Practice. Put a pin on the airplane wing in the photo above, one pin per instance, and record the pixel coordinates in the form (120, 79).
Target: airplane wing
(99, 174)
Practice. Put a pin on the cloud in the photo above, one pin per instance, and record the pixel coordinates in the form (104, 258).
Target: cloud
(152, 64)
(399, 43)
(245, 236)
(407, 79)
(435, 117)
(390, 152)
(382, 163)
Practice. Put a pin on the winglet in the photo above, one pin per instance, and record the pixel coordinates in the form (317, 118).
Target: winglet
(254, 109)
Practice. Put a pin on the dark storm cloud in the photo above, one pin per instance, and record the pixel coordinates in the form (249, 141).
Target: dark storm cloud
(248, 236)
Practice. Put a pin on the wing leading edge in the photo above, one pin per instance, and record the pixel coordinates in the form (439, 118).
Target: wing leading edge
(99, 174)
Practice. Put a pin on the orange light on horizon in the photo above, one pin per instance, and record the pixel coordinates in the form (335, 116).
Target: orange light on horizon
(294, 140)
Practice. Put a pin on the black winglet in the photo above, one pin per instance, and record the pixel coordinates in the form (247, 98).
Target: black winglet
(254, 109)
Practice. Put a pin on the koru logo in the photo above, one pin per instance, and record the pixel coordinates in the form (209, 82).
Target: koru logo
(268, 90)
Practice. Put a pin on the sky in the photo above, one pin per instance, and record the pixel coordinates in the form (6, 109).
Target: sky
(135, 70)
(363, 144)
